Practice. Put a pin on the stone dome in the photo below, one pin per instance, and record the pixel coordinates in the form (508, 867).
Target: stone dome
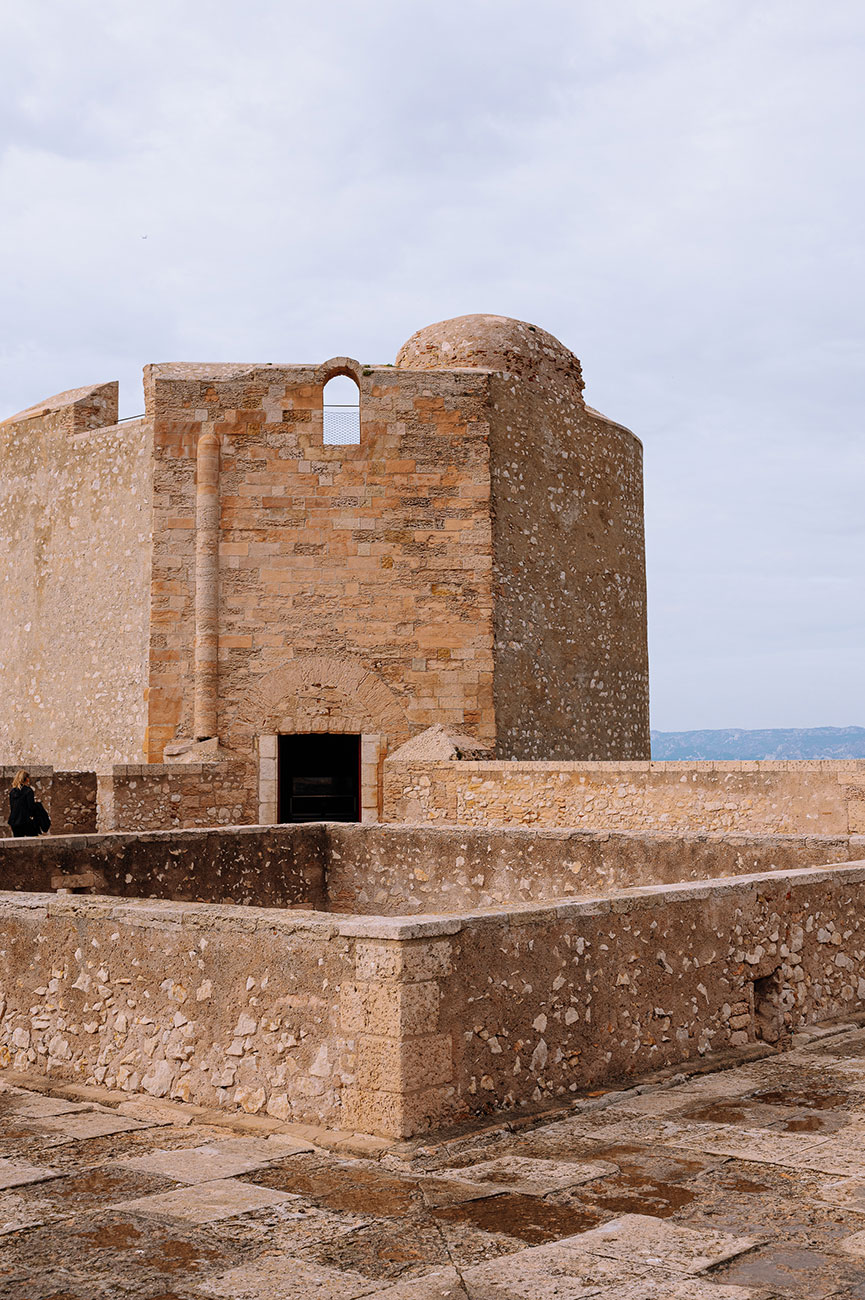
(511, 347)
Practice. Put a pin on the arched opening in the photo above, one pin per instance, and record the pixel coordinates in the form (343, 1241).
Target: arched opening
(341, 400)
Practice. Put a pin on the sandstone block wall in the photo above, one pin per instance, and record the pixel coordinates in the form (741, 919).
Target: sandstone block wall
(354, 581)
(168, 796)
(775, 798)
(75, 522)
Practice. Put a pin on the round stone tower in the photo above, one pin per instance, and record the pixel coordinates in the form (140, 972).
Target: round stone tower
(569, 584)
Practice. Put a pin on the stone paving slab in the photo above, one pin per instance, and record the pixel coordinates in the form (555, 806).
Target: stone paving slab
(558, 1272)
(534, 1177)
(728, 1085)
(441, 1284)
(88, 1124)
(854, 1244)
(842, 1155)
(285, 1277)
(439, 1191)
(16, 1213)
(206, 1202)
(215, 1160)
(692, 1288)
(613, 1127)
(760, 1146)
(847, 1193)
(36, 1106)
(658, 1242)
(15, 1173)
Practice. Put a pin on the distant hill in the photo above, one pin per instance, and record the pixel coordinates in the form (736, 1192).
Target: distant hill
(793, 742)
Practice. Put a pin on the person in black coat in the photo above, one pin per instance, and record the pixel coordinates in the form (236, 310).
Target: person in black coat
(23, 819)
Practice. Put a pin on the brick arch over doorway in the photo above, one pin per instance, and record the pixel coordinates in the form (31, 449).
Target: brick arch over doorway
(322, 694)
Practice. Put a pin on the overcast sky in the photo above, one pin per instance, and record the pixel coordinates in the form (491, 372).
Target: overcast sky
(672, 187)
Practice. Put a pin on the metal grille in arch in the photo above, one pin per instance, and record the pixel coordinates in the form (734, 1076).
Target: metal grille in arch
(341, 425)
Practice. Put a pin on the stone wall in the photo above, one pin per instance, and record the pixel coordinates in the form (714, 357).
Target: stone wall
(398, 871)
(411, 870)
(168, 796)
(245, 865)
(541, 1002)
(73, 803)
(75, 516)
(354, 581)
(219, 1005)
(398, 1026)
(774, 798)
(70, 798)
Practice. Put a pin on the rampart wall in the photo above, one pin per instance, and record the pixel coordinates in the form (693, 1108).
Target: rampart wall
(765, 798)
(397, 1026)
(75, 507)
(397, 871)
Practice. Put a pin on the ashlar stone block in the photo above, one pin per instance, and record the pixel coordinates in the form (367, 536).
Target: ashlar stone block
(374, 1008)
(404, 1065)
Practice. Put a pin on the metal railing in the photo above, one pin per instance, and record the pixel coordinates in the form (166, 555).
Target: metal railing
(341, 425)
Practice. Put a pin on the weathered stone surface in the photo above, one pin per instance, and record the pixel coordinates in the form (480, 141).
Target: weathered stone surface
(17, 1173)
(204, 1163)
(651, 1241)
(209, 1201)
(765, 798)
(535, 1177)
(89, 1124)
(561, 1272)
(282, 1277)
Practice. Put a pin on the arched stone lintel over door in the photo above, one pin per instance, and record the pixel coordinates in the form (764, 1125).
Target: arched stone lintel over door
(325, 695)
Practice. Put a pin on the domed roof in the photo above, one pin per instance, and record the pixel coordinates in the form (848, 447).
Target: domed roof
(497, 343)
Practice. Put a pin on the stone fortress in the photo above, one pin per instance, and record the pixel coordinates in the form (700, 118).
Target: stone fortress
(425, 612)
(217, 571)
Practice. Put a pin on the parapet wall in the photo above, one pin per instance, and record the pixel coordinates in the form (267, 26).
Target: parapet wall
(243, 865)
(398, 1026)
(412, 870)
(765, 798)
(398, 870)
(167, 796)
(227, 1006)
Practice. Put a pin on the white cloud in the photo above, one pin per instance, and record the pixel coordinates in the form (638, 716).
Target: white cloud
(673, 187)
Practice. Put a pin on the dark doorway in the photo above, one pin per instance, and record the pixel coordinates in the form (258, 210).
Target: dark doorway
(319, 778)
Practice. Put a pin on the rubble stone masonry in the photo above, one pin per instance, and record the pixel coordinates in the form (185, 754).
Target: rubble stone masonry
(768, 798)
(396, 1026)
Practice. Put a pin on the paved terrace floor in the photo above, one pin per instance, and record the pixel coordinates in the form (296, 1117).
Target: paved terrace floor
(737, 1184)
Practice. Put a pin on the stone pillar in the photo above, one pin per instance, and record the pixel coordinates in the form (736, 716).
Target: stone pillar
(206, 586)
